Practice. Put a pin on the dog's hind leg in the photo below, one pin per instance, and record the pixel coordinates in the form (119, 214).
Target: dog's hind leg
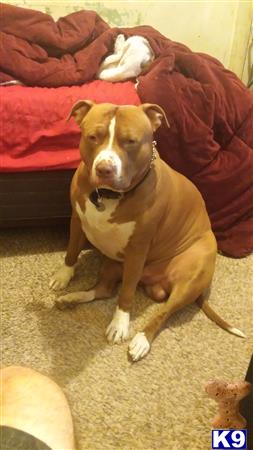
(110, 275)
(181, 295)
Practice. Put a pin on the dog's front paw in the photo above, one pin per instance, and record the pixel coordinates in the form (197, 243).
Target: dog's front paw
(139, 346)
(118, 329)
(62, 277)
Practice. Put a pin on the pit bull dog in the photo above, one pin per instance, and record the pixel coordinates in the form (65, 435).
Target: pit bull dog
(149, 222)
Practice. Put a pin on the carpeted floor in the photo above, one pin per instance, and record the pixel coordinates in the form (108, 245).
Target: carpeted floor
(158, 403)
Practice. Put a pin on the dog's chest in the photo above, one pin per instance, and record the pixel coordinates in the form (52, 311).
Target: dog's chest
(109, 237)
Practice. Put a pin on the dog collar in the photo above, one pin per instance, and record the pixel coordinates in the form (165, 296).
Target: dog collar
(96, 196)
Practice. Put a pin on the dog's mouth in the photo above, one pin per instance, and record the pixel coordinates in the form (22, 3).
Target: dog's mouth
(111, 183)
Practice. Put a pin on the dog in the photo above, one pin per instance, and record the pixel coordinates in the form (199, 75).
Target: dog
(149, 222)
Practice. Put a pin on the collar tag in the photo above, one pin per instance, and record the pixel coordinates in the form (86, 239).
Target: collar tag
(99, 203)
(96, 197)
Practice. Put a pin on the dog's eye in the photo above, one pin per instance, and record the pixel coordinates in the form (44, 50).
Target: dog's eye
(130, 141)
(92, 138)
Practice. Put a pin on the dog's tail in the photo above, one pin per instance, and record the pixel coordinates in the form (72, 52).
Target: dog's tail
(212, 315)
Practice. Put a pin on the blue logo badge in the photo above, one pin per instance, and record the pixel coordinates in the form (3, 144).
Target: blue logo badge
(229, 439)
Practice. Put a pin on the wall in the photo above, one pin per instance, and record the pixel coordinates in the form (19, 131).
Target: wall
(220, 28)
(248, 66)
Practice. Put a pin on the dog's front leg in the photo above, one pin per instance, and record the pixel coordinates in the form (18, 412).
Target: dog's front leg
(77, 241)
(135, 257)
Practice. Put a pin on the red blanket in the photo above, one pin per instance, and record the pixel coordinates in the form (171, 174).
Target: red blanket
(36, 134)
(209, 109)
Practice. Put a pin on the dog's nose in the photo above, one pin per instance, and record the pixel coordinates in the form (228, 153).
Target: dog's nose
(105, 169)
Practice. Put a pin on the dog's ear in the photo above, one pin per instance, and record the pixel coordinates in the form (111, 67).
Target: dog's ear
(79, 110)
(155, 114)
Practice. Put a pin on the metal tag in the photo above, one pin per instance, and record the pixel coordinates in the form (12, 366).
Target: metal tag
(100, 205)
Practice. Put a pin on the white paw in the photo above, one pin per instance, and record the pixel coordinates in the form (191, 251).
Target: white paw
(139, 346)
(118, 329)
(73, 299)
(62, 277)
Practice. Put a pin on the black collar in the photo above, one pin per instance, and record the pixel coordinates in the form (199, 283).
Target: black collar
(96, 196)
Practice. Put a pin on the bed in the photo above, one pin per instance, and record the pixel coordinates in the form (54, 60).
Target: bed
(39, 148)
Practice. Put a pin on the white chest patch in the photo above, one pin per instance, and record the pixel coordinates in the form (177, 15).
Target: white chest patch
(109, 238)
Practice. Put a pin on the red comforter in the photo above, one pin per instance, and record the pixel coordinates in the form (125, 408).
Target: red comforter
(209, 109)
(35, 132)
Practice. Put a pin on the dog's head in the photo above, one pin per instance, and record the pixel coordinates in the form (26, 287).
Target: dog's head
(116, 141)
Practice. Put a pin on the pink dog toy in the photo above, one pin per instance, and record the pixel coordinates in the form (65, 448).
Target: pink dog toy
(228, 396)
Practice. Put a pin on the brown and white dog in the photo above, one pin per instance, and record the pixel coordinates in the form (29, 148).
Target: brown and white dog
(149, 221)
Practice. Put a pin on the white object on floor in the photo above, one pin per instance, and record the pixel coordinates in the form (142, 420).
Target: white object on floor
(128, 60)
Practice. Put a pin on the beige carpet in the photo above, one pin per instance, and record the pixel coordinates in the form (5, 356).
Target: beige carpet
(158, 403)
